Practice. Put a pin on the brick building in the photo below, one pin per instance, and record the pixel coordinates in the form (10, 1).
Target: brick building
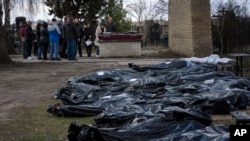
(190, 27)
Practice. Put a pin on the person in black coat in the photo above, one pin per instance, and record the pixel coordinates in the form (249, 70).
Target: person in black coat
(79, 40)
(44, 41)
(37, 43)
(29, 37)
(64, 42)
(88, 36)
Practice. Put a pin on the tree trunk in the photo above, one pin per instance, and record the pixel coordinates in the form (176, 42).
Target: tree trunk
(1, 13)
(222, 43)
(4, 56)
(7, 12)
(10, 32)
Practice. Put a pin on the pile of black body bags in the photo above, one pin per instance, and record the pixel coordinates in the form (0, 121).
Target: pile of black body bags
(173, 100)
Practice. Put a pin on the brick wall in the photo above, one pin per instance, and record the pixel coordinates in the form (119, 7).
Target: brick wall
(190, 27)
(202, 33)
(120, 49)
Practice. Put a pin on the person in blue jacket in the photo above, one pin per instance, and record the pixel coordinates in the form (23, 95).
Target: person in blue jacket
(54, 37)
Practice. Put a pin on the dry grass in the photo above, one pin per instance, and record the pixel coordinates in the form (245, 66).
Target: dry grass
(161, 52)
(35, 124)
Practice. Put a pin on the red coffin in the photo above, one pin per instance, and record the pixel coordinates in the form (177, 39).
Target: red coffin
(119, 37)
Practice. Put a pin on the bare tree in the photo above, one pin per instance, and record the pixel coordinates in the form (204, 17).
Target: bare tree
(4, 57)
(144, 13)
(1, 13)
(5, 35)
(29, 8)
(227, 13)
(220, 12)
(7, 13)
(161, 7)
(151, 11)
(9, 37)
(137, 10)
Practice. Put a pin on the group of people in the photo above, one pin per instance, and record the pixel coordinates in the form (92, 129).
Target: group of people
(63, 39)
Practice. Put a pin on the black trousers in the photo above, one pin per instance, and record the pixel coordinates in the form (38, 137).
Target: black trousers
(64, 48)
(36, 45)
(79, 46)
(25, 51)
(45, 47)
(29, 47)
(89, 50)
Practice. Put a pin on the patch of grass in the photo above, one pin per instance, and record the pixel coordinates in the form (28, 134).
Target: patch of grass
(162, 52)
(35, 124)
(227, 119)
(223, 119)
(16, 65)
(167, 53)
(10, 65)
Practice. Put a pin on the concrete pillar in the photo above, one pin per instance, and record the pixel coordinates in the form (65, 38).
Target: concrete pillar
(190, 27)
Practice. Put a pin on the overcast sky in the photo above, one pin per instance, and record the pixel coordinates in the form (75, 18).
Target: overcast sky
(42, 12)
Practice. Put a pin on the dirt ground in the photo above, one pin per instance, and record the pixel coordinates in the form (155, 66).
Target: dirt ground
(30, 84)
(25, 85)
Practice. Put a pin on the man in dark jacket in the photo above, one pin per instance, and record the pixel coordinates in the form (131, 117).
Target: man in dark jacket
(71, 35)
(29, 37)
(37, 43)
(110, 25)
(79, 40)
(44, 41)
(64, 44)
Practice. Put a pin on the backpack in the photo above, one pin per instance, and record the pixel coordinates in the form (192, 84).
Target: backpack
(22, 31)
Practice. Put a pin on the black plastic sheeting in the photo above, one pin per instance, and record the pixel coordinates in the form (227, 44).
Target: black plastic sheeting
(166, 131)
(172, 100)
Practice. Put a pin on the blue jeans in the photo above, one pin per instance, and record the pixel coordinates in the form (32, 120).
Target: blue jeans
(40, 52)
(71, 46)
(97, 50)
(54, 47)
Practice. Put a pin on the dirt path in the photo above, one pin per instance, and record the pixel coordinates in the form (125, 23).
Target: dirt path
(30, 84)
